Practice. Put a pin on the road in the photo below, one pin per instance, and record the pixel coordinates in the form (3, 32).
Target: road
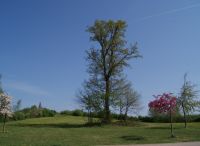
(167, 144)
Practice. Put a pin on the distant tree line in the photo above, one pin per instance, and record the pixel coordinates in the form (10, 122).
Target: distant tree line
(165, 118)
(158, 118)
(33, 112)
(97, 115)
(30, 112)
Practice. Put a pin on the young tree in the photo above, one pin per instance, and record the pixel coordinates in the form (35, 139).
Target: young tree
(91, 98)
(5, 108)
(5, 105)
(131, 102)
(40, 106)
(165, 103)
(126, 98)
(17, 107)
(110, 56)
(188, 98)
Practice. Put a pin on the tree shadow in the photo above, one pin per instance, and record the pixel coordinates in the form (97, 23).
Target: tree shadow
(163, 128)
(59, 125)
(133, 137)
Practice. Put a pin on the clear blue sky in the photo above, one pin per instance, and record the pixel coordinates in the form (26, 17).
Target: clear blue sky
(43, 43)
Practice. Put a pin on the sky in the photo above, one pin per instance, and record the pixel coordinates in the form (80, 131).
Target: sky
(43, 44)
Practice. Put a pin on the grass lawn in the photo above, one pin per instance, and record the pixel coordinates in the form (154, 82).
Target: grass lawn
(71, 131)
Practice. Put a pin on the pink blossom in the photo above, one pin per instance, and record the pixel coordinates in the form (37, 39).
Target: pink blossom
(163, 103)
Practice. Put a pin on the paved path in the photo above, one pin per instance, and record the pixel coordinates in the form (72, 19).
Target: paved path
(167, 144)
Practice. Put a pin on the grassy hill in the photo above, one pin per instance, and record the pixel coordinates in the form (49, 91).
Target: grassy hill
(72, 131)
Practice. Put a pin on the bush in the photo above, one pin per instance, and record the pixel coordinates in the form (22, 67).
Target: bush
(18, 116)
(66, 112)
(145, 119)
(77, 112)
(1, 118)
(33, 112)
(48, 113)
(194, 118)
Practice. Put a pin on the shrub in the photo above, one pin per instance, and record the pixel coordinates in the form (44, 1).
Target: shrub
(48, 113)
(18, 116)
(77, 112)
(33, 112)
(66, 112)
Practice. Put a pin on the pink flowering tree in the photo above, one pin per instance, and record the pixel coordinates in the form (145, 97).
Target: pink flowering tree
(165, 103)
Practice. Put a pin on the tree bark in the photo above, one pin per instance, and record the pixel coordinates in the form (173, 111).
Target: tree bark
(89, 116)
(4, 123)
(172, 135)
(120, 110)
(107, 118)
(125, 116)
(184, 115)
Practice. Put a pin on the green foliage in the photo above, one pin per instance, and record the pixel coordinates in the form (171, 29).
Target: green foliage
(18, 116)
(66, 112)
(77, 112)
(165, 118)
(48, 113)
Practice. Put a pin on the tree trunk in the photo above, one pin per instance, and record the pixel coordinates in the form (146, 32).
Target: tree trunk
(172, 135)
(107, 118)
(184, 114)
(125, 116)
(88, 116)
(4, 123)
(120, 110)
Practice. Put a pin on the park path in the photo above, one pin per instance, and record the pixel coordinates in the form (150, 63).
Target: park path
(166, 144)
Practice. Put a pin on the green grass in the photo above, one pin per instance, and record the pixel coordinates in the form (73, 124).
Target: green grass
(71, 131)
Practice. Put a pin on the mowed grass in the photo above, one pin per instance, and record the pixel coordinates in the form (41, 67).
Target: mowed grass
(71, 131)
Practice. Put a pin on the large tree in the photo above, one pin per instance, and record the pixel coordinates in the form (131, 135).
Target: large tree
(109, 57)
(188, 98)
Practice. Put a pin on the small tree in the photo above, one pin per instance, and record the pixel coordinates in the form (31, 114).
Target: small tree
(5, 108)
(126, 98)
(165, 103)
(188, 99)
(40, 106)
(91, 97)
(17, 107)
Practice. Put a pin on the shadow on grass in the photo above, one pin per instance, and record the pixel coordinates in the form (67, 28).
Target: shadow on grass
(60, 125)
(133, 137)
(164, 128)
(128, 123)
